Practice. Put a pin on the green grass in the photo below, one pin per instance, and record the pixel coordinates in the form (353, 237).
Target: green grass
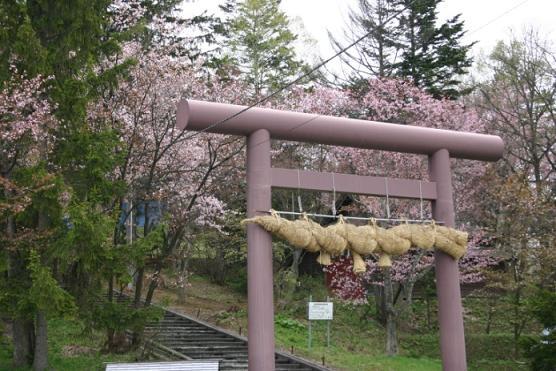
(349, 350)
(357, 343)
(358, 340)
(64, 333)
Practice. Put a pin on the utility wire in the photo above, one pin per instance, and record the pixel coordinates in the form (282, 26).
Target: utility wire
(298, 79)
(325, 62)
(498, 17)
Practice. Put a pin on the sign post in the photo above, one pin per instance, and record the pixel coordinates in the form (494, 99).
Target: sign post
(309, 314)
(320, 311)
(328, 324)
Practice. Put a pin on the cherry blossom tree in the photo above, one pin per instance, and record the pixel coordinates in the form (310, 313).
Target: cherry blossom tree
(26, 117)
(161, 163)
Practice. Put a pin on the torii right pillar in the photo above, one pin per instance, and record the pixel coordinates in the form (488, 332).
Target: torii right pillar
(450, 313)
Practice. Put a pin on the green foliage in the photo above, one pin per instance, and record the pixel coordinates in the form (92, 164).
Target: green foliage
(238, 280)
(541, 350)
(288, 323)
(87, 237)
(88, 159)
(147, 246)
(62, 238)
(45, 293)
(49, 188)
(261, 44)
(223, 256)
(432, 56)
(543, 307)
(122, 316)
(407, 40)
(71, 348)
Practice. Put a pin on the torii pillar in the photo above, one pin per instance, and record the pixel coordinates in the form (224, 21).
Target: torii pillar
(450, 313)
(260, 300)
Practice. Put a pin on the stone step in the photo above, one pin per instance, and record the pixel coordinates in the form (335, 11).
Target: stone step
(180, 337)
(211, 348)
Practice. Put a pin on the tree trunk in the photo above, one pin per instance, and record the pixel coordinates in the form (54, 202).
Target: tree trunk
(138, 287)
(182, 286)
(428, 301)
(137, 335)
(297, 255)
(406, 306)
(22, 328)
(110, 331)
(40, 362)
(391, 330)
(23, 339)
(182, 295)
(380, 307)
(152, 287)
(490, 315)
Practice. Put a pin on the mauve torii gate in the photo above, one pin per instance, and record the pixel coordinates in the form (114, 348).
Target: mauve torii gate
(260, 125)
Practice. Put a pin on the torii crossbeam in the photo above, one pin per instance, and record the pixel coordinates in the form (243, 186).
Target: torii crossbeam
(261, 125)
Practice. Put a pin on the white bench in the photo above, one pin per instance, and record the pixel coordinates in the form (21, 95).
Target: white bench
(201, 365)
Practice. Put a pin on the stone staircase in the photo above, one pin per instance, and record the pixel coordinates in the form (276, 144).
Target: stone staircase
(179, 336)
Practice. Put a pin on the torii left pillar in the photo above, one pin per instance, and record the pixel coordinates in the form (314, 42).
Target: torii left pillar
(259, 255)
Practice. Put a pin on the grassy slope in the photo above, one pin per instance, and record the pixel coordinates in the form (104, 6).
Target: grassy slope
(357, 340)
(355, 346)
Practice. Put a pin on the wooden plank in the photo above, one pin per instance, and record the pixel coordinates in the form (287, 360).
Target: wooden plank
(347, 183)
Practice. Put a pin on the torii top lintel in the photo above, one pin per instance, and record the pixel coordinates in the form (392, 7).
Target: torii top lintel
(311, 128)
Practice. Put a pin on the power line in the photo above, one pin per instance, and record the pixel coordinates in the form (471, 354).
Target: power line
(298, 79)
(498, 17)
(325, 62)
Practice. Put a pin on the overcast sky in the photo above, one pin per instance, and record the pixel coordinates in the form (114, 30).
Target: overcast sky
(487, 21)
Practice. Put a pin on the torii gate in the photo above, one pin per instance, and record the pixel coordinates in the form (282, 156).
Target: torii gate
(260, 125)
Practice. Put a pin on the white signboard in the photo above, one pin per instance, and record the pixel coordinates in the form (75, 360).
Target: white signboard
(320, 310)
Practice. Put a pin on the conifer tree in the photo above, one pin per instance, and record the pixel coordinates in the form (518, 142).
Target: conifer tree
(261, 43)
(60, 238)
(432, 56)
(407, 40)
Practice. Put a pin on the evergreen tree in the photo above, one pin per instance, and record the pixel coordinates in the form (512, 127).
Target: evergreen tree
(65, 41)
(542, 350)
(261, 44)
(432, 56)
(406, 40)
(60, 239)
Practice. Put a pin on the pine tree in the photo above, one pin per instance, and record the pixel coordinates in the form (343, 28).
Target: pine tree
(261, 44)
(64, 41)
(432, 56)
(61, 237)
(406, 41)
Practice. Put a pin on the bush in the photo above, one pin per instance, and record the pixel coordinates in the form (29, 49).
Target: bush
(541, 350)
(288, 323)
(238, 280)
